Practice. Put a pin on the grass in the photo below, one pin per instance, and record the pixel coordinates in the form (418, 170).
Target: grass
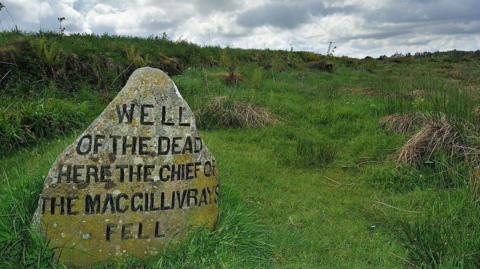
(320, 188)
(22, 123)
(239, 240)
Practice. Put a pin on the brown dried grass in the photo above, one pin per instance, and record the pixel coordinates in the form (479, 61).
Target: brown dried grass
(229, 78)
(398, 123)
(227, 113)
(171, 65)
(476, 112)
(475, 184)
(438, 133)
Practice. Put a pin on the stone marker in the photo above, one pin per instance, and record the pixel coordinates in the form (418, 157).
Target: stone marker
(139, 176)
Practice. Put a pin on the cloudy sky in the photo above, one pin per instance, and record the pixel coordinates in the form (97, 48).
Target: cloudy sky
(357, 27)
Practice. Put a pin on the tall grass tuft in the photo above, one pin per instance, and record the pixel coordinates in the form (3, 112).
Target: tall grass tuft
(306, 150)
(134, 57)
(446, 234)
(239, 241)
(50, 53)
(224, 112)
(257, 78)
(22, 123)
(314, 152)
(20, 245)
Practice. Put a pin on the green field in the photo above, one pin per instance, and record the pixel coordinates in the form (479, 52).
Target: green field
(321, 187)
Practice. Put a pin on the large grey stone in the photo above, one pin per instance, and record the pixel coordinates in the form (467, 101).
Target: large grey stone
(136, 178)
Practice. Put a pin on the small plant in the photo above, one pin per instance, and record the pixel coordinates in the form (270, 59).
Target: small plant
(257, 78)
(61, 27)
(331, 49)
(165, 37)
(49, 53)
(134, 57)
(233, 77)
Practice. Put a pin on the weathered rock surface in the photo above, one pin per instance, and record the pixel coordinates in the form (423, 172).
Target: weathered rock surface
(138, 177)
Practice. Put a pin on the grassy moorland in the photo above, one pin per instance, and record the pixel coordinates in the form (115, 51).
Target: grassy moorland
(370, 165)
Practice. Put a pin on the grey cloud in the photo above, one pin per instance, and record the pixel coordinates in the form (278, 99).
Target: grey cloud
(102, 29)
(421, 11)
(210, 6)
(415, 24)
(402, 33)
(395, 31)
(380, 35)
(381, 28)
(287, 15)
(458, 29)
(154, 25)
